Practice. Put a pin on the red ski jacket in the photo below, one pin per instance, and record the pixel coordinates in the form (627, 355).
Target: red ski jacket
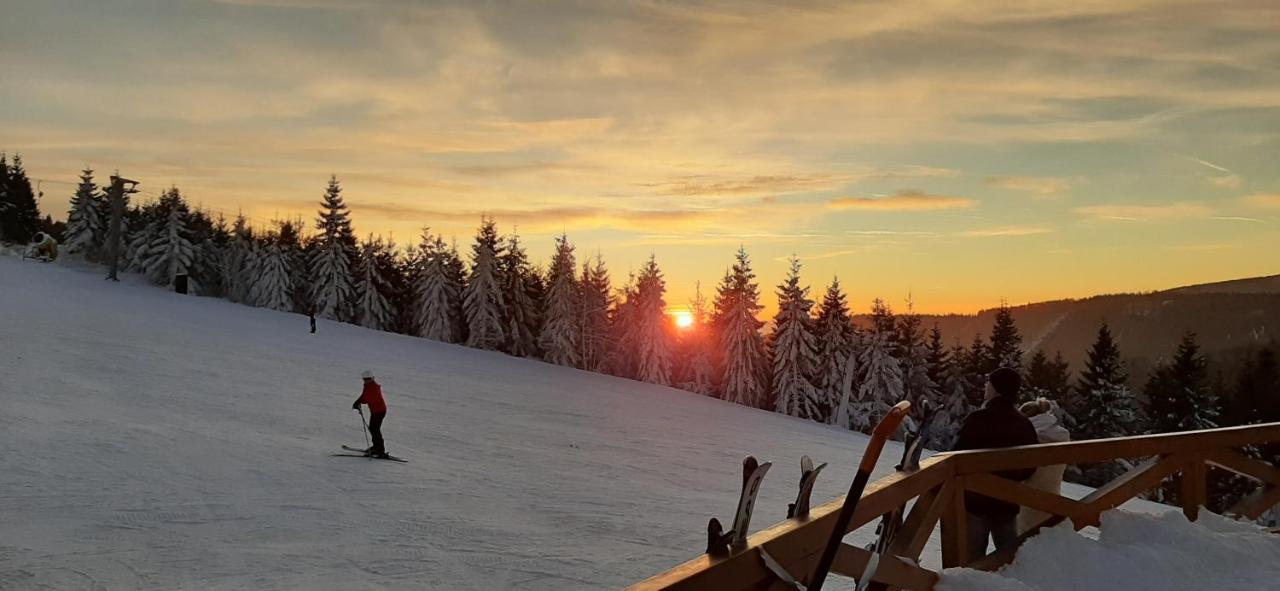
(372, 395)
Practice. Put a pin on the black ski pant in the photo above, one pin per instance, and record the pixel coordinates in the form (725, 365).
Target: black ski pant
(375, 431)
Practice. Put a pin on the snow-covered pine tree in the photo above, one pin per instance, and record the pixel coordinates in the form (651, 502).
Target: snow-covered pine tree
(938, 357)
(1048, 378)
(397, 268)
(86, 230)
(332, 285)
(563, 320)
(295, 247)
(744, 371)
(653, 329)
(698, 367)
(372, 310)
(482, 298)
(519, 314)
(596, 297)
(438, 295)
(880, 384)
(273, 287)
(1110, 409)
(955, 404)
(977, 363)
(170, 250)
(235, 278)
(620, 358)
(913, 355)
(19, 214)
(794, 350)
(835, 334)
(1006, 343)
(1179, 397)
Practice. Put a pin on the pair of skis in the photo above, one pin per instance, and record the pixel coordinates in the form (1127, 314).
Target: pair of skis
(360, 453)
(721, 542)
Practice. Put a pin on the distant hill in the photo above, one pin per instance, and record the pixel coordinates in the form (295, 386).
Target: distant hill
(1228, 317)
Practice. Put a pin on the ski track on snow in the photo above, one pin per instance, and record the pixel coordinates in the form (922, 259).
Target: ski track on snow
(156, 441)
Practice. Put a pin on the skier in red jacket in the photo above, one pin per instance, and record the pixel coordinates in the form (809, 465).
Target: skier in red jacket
(372, 396)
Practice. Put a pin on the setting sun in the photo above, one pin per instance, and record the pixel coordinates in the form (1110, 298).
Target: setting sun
(683, 318)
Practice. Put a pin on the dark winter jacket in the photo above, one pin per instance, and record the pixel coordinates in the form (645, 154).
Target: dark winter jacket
(997, 424)
(372, 395)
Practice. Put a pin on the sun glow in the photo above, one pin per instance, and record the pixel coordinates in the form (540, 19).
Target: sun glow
(683, 318)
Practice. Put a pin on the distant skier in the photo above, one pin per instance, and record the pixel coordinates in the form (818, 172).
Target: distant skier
(1044, 417)
(311, 314)
(372, 396)
(997, 424)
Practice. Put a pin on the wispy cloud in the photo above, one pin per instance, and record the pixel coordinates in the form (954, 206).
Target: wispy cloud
(917, 233)
(1208, 164)
(823, 255)
(1236, 218)
(1038, 186)
(773, 184)
(904, 200)
(1262, 200)
(1230, 181)
(1141, 213)
(1007, 231)
(1214, 247)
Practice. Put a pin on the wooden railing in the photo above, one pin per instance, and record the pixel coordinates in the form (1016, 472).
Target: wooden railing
(938, 488)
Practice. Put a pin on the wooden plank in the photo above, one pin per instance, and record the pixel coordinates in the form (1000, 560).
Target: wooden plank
(955, 527)
(1113, 494)
(1244, 465)
(852, 561)
(1101, 450)
(911, 538)
(1194, 491)
(796, 544)
(1023, 495)
(1257, 503)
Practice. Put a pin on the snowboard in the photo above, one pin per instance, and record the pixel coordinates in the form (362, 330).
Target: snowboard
(720, 542)
(808, 475)
(360, 453)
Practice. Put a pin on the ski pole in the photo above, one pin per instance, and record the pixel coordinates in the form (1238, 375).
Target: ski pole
(364, 426)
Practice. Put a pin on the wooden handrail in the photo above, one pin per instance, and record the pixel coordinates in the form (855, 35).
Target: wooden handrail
(940, 486)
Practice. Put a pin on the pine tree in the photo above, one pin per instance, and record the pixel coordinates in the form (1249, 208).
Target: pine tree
(793, 350)
(1256, 396)
(438, 295)
(937, 357)
(880, 383)
(743, 369)
(652, 337)
(19, 214)
(273, 288)
(332, 285)
(170, 251)
(482, 298)
(596, 299)
(1109, 408)
(86, 230)
(1178, 394)
(835, 334)
(955, 402)
(519, 292)
(372, 309)
(1006, 343)
(1047, 378)
(563, 322)
(917, 385)
(976, 363)
(698, 371)
(237, 263)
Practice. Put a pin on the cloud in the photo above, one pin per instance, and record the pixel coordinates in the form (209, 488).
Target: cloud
(822, 255)
(1262, 200)
(1142, 213)
(1233, 218)
(1007, 231)
(903, 200)
(786, 183)
(917, 233)
(1215, 247)
(1230, 181)
(1037, 186)
(1208, 164)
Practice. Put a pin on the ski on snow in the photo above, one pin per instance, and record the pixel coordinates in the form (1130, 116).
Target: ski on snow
(360, 453)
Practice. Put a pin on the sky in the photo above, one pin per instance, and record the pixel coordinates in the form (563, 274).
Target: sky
(953, 153)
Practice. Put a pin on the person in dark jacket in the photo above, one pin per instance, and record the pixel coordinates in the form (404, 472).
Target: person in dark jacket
(372, 396)
(997, 424)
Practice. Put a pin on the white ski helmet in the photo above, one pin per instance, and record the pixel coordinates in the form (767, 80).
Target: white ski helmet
(366, 374)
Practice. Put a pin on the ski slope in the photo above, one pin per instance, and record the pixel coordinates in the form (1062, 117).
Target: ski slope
(159, 441)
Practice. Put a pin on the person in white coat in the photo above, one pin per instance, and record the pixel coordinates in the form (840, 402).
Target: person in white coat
(1045, 418)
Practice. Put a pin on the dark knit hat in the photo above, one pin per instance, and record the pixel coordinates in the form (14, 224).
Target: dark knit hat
(1006, 382)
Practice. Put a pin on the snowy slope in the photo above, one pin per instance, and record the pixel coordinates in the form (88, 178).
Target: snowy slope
(160, 441)
(1136, 551)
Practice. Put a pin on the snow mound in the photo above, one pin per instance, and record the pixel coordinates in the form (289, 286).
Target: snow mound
(1137, 551)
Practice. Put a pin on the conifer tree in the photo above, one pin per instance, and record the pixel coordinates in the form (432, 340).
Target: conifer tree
(698, 370)
(955, 404)
(743, 369)
(273, 287)
(482, 297)
(835, 336)
(1006, 343)
(880, 383)
(1178, 394)
(1256, 396)
(913, 354)
(563, 321)
(372, 309)
(519, 292)
(1110, 409)
(438, 295)
(621, 358)
(596, 299)
(794, 350)
(170, 251)
(1048, 378)
(332, 285)
(86, 230)
(19, 214)
(652, 337)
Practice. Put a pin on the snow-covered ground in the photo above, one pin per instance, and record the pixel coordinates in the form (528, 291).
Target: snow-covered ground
(1137, 551)
(158, 441)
